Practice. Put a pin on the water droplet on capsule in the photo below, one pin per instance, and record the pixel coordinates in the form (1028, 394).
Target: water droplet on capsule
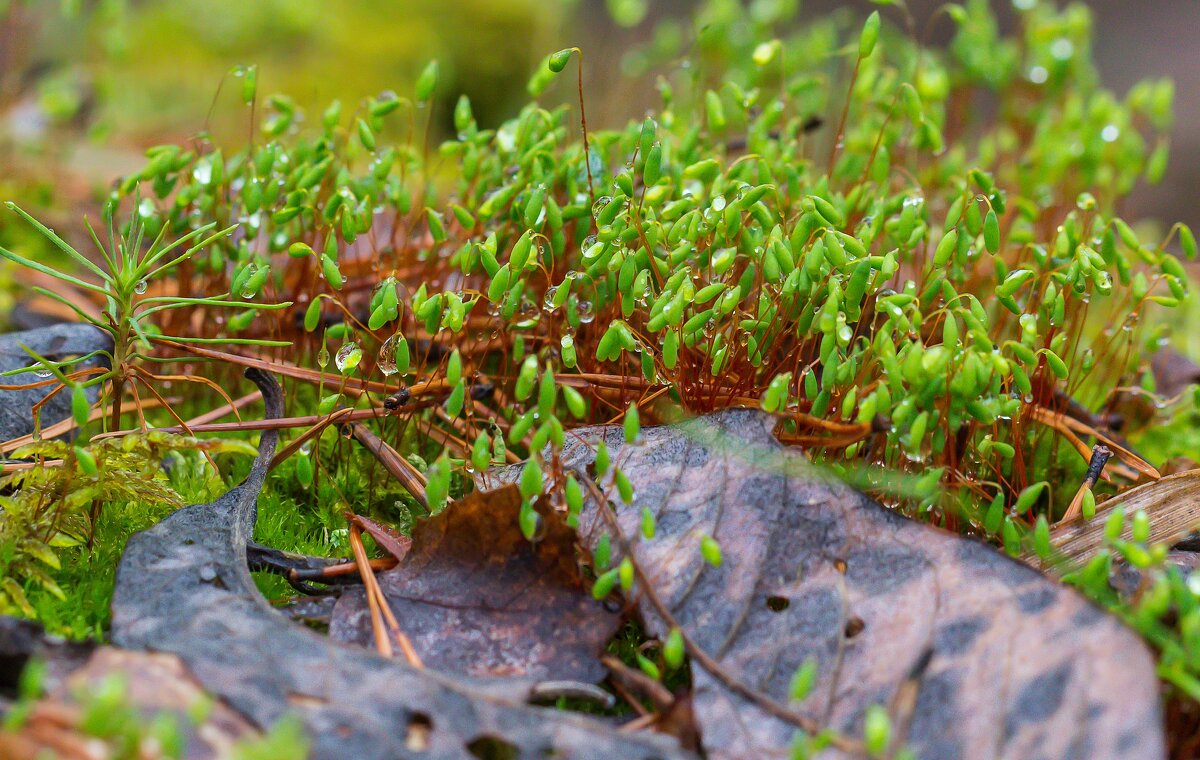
(386, 361)
(586, 312)
(348, 357)
(600, 203)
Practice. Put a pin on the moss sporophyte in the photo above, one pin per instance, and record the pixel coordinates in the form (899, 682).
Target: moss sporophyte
(912, 256)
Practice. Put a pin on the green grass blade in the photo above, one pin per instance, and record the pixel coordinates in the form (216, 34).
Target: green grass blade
(60, 243)
(16, 258)
(66, 302)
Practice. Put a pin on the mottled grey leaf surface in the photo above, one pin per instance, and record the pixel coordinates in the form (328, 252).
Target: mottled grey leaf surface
(1021, 667)
(57, 342)
(183, 587)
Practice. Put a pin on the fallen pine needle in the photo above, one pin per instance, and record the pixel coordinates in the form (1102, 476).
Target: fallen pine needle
(380, 611)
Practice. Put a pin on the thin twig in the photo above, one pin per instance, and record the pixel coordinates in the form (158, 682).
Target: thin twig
(401, 469)
(383, 643)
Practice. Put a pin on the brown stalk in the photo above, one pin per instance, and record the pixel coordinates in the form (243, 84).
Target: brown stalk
(221, 411)
(460, 447)
(653, 690)
(280, 423)
(64, 426)
(1059, 421)
(383, 644)
(345, 568)
(401, 469)
(1100, 456)
(352, 386)
(380, 605)
(307, 435)
(16, 466)
(51, 380)
(189, 379)
(170, 410)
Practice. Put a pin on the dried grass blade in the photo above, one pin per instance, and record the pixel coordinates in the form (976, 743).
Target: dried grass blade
(1172, 504)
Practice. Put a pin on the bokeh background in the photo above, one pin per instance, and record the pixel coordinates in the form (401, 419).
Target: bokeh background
(87, 85)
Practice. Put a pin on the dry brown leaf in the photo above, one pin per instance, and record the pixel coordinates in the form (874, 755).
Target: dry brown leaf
(477, 599)
(979, 655)
(389, 539)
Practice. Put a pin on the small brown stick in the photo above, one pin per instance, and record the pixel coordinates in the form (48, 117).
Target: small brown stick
(632, 700)
(15, 466)
(51, 380)
(1057, 421)
(68, 424)
(460, 447)
(379, 605)
(1100, 456)
(352, 386)
(281, 423)
(904, 701)
(189, 379)
(639, 681)
(383, 644)
(640, 723)
(345, 568)
(1172, 504)
(221, 411)
(307, 435)
(170, 410)
(401, 469)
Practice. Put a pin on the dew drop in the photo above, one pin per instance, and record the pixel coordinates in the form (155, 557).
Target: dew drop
(42, 372)
(386, 361)
(718, 203)
(587, 312)
(348, 357)
(600, 203)
(1062, 49)
(548, 302)
(203, 172)
(323, 357)
(140, 287)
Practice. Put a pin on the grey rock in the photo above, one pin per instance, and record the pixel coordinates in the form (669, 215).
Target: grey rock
(56, 342)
